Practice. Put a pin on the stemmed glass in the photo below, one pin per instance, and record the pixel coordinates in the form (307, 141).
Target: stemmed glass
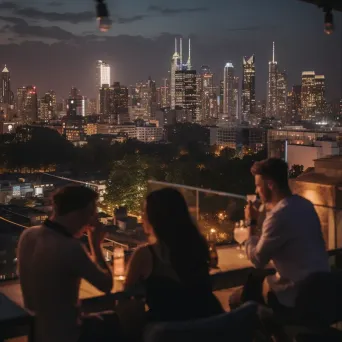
(240, 236)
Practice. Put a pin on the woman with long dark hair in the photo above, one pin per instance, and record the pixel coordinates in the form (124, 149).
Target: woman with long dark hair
(175, 264)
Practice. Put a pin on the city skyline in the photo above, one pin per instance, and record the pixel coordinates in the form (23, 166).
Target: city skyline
(140, 42)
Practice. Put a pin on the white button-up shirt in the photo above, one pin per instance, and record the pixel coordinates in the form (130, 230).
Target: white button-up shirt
(292, 239)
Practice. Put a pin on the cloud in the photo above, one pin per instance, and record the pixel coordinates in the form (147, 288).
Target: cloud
(8, 5)
(23, 29)
(172, 11)
(55, 3)
(128, 20)
(13, 20)
(74, 18)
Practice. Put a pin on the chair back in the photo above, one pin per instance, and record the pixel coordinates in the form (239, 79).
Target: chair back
(238, 325)
(319, 299)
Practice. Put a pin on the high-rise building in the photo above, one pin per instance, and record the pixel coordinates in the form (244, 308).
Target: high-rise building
(91, 106)
(175, 65)
(102, 77)
(294, 104)
(261, 109)
(206, 93)
(6, 95)
(114, 102)
(248, 88)
(308, 98)
(21, 95)
(106, 100)
(102, 74)
(236, 97)
(228, 90)
(165, 94)
(121, 114)
(221, 96)
(272, 98)
(187, 94)
(30, 105)
(75, 103)
(320, 97)
(48, 106)
(152, 98)
(282, 95)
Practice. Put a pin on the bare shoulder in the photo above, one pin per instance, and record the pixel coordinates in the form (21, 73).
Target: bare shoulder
(29, 232)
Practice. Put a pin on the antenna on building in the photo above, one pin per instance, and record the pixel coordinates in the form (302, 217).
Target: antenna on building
(181, 51)
(273, 59)
(176, 45)
(189, 58)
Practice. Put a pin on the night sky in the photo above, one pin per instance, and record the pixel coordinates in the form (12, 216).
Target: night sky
(54, 44)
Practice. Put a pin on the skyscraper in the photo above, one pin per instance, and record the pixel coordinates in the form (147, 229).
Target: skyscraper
(106, 100)
(152, 98)
(30, 104)
(6, 95)
(102, 74)
(165, 94)
(282, 95)
(75, 103)
(294, 104)
(228, 90)
(47, 106)
(114, 103)
(272, 99)
(248, 88)
(175, 65)
(320, 97)
(187, 94)
(236, 98)
(221, 96)
(206, 93)
(21, 96)
(308, 98)
(102, 78)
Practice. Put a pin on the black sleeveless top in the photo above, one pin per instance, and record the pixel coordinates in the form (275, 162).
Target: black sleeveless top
(170, 300)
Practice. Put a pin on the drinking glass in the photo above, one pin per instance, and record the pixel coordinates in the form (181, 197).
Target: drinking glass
(240, 236)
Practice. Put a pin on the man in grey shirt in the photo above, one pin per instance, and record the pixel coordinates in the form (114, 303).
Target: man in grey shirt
(52, 261)
(291, 236)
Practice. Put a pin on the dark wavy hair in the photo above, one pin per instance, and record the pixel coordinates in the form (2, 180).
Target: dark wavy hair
(173, 225)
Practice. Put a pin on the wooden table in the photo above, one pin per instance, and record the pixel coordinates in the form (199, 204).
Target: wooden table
(14, 320)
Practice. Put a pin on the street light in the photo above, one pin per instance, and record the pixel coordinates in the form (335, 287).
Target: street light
(102, 16)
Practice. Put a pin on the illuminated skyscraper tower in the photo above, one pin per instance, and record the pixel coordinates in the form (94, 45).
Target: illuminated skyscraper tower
(102, 78)
(248, 88)
(272, 99)
(6, 95)
(175, 64)
(229, 106)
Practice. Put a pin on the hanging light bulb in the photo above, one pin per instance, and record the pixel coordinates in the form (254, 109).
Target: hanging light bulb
(102, 16)
(328, 21)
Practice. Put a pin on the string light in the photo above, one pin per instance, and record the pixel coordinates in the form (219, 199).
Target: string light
(328, 21)
(102, 15)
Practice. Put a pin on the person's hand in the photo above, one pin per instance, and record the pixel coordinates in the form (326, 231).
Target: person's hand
(251, 212)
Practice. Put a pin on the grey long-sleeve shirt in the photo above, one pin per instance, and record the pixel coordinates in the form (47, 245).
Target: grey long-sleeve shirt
(292, 239)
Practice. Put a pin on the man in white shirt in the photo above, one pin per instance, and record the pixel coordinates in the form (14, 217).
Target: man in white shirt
(52, 261)
(291, 236)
